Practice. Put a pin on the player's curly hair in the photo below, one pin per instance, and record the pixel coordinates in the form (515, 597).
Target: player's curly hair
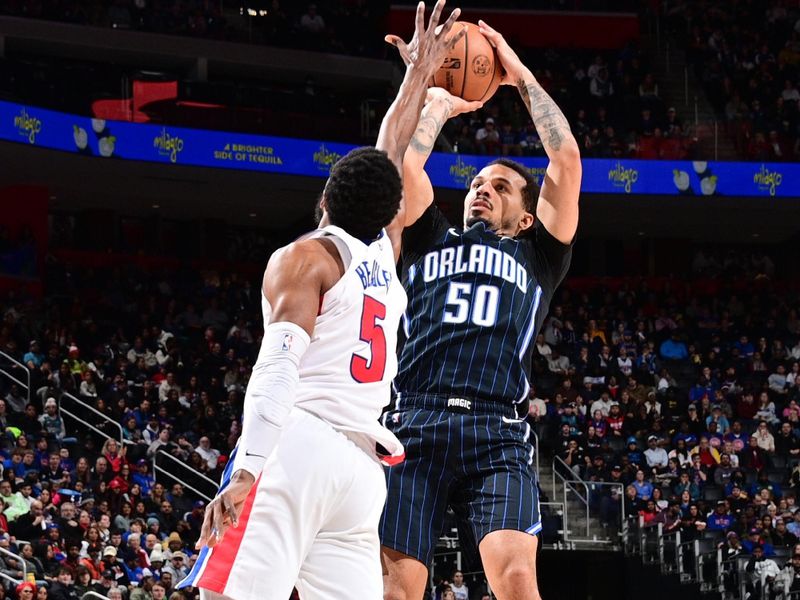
(530, 193)
(363, 192)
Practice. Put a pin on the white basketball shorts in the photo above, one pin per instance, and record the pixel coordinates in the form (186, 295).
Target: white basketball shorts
(311, 521)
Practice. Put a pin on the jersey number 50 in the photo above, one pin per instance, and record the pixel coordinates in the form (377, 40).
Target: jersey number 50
(484, 304)
(370, 371)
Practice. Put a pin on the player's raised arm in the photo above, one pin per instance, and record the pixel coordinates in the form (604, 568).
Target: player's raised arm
(423, 55)
(558, 201)
(417, 189)
(295, 279)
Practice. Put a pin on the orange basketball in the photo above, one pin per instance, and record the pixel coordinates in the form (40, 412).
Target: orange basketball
(471, 69)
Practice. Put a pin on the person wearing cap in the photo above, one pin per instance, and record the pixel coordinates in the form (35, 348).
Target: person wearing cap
(762, 572)
(716, 416)
(34, 357)
(656, 456)
(603, 404)
(634, 455)
(143, 477)
(51, 421)
(487, 138)
(177, 566)
(150, 432)
(157, 561)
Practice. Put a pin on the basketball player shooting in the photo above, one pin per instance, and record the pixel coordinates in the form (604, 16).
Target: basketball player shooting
(477, 297)
(301, 497)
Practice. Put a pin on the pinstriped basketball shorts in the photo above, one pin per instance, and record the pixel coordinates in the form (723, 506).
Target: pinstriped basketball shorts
(477, 464)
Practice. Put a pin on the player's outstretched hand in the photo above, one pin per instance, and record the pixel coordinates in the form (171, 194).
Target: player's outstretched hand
(224, 510)
(457, 106)
(512, 65)
(429, 46)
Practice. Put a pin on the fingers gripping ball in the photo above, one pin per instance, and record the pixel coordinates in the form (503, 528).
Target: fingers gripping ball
(471, 70)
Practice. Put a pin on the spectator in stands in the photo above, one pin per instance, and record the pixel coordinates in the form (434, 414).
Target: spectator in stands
(674, 349)
(720, 519)
(63, 588)
(51, 421)
(656, 457)
(177, 566)
(487, 138)
(763, 571)
(207, 453)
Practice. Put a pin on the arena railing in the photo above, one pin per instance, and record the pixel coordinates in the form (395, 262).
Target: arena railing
(22, 567)
(189, 477)
(10, 367)
(611, 494)
(180, 472)
(700, 561)
(572, 483)
(91, 594)
(102, 420)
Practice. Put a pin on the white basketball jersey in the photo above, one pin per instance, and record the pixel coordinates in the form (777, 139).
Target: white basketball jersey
(346, 373)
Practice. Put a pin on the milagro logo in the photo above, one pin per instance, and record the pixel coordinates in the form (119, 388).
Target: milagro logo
(27, 125)
(623, 177)
(462, 173)
(168, 145)
(767, 180)
(538, 174)
(325, 159)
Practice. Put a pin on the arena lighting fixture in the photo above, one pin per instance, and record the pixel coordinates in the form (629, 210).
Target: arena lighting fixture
(253, 215)
(253, 8)
(156, 206)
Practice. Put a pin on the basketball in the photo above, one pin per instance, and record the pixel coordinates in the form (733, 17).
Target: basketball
(471, 70)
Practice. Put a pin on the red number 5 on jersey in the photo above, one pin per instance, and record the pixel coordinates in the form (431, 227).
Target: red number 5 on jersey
(370, 371)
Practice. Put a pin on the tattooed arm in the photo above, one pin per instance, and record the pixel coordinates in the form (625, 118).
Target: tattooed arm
(423, 55)
(417, 188)
(557, 208)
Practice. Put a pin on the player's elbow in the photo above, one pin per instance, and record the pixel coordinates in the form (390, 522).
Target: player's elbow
(569, 154)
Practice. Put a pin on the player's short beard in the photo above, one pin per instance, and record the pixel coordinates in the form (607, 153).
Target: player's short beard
(472, 220)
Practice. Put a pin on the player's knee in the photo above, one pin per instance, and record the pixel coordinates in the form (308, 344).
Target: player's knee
(518, 571)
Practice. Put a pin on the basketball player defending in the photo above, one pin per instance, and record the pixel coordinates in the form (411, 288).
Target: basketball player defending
(477, 297)
(301, 497)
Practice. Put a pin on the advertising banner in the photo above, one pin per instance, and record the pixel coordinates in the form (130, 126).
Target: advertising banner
(117, 140)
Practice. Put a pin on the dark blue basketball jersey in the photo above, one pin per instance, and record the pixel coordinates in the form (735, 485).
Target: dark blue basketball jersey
(475, 303)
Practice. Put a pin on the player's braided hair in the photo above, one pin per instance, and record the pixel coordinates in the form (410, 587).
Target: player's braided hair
(530, 193)
(363, 192)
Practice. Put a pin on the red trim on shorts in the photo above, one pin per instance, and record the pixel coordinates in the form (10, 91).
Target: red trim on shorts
(391, 461)
(218, 569)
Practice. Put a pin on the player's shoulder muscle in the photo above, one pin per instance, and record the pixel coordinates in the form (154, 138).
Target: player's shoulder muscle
(306, 262)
